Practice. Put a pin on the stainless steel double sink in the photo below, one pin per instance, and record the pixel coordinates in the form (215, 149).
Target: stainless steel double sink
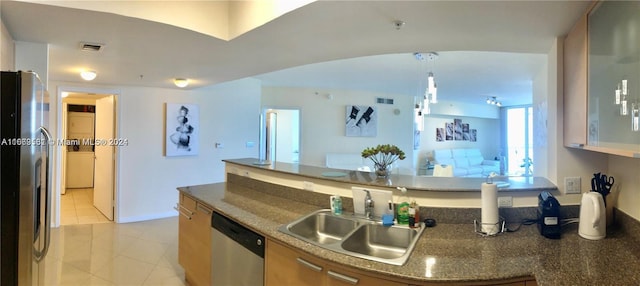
(356, 236)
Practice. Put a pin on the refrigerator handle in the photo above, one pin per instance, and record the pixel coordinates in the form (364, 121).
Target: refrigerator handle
(47, 211)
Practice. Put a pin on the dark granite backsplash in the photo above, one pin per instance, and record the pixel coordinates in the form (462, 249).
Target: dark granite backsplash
(440, 214)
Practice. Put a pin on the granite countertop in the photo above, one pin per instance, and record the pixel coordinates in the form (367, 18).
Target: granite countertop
(449, 252)
(424, 183)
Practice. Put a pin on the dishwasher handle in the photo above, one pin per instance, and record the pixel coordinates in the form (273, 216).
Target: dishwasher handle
(247, 238)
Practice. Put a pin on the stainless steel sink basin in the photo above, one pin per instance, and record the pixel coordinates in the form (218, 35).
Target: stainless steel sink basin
(322, 227)
(356, 236)
(381, 241)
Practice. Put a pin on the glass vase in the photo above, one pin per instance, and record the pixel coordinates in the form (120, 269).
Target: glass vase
(383, 171)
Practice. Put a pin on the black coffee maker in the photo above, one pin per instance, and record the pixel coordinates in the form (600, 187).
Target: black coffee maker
(548, 215)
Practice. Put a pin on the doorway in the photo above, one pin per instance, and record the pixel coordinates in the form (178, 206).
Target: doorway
(519, 121)
(85, 193)
(280, 135)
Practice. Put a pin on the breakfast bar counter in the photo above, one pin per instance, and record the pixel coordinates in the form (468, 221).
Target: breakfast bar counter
(446, 253)
(419, 183)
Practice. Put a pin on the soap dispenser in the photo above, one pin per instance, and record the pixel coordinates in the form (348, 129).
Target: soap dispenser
(403, 207)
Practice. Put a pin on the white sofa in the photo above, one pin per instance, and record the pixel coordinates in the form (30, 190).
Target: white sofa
(466, 162)
(347, 161)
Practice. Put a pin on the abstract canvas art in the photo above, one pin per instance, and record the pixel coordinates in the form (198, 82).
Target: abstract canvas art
(361, 121)
(456, 130)
(182, 129)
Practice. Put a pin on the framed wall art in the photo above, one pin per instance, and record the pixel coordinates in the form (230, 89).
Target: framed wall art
(361, 121)
(182, 129)
(456, 131)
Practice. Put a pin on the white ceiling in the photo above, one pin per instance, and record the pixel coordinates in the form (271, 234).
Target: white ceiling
(487, 48)
(460, 75)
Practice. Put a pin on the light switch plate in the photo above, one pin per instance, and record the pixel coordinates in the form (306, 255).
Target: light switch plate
(307, 185)
(505, 202)
(572, 185)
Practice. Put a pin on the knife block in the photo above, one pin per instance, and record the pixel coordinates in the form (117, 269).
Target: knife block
(610, 202)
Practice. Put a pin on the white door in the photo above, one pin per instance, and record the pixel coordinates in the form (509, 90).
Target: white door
(104, 165)
(287, 134)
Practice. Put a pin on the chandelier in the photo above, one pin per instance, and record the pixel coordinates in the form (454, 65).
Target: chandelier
(430, 93)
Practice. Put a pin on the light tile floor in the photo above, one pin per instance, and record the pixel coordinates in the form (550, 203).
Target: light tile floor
(76, 207)
(141, 253)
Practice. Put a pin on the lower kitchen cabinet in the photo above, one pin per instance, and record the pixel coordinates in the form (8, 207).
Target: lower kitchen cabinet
(286, 266)
(194, 241)
(341, 276)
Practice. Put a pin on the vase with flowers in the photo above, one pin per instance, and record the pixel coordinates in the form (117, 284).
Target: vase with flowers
(383, 156)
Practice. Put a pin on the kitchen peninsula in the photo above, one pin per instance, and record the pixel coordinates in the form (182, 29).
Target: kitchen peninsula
(427, 191)
(419, 183)
(449, 253)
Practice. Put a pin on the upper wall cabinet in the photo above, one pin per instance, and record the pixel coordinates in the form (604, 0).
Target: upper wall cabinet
(575, 85)
(602, 80)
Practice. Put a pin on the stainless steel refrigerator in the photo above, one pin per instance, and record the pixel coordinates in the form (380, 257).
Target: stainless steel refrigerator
(25, 200)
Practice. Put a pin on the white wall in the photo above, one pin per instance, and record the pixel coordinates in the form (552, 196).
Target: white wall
(540, 106)
(450, 108)
(488, 138)
(322, 127)
(626, 190)
(33, 57)
(147, 180)
(7, 49)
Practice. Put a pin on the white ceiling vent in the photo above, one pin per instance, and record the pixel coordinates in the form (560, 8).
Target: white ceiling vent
(91, 47)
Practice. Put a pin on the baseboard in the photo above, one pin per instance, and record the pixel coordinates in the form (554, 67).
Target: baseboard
(147, 217)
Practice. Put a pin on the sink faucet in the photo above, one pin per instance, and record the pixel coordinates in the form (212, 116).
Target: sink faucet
(368, 205)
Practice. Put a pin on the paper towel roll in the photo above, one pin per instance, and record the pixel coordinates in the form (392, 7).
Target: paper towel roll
(489, 195)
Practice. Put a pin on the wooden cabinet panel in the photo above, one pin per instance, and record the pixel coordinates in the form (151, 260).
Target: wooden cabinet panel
(285, 266)
(575, 85)
(194, 241)
(341, 276)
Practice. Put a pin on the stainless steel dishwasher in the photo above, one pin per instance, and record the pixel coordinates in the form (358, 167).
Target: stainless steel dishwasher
(237, 254)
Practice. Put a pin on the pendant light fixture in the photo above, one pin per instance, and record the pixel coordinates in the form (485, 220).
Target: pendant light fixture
(432, 87)
(430, 95)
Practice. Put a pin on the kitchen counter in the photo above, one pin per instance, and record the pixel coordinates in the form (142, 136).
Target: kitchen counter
(419, 183)
(448, 252)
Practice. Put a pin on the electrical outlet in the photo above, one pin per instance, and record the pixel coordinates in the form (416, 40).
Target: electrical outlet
(572, 185)
(307, 185)
(505, 202)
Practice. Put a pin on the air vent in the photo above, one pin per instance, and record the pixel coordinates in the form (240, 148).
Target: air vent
(91, 47)
(384, 100)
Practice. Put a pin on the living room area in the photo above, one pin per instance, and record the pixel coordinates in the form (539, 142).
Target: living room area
(326, 101)
(502, 145)
(483, 132)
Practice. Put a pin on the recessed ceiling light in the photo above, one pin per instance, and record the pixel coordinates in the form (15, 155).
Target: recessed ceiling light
(181, 82)
(88, 75)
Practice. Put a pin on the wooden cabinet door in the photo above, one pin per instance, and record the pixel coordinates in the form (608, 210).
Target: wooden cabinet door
(341, 276)
(285, 266)
(575, 85)
(194, 241)
(186, 209)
